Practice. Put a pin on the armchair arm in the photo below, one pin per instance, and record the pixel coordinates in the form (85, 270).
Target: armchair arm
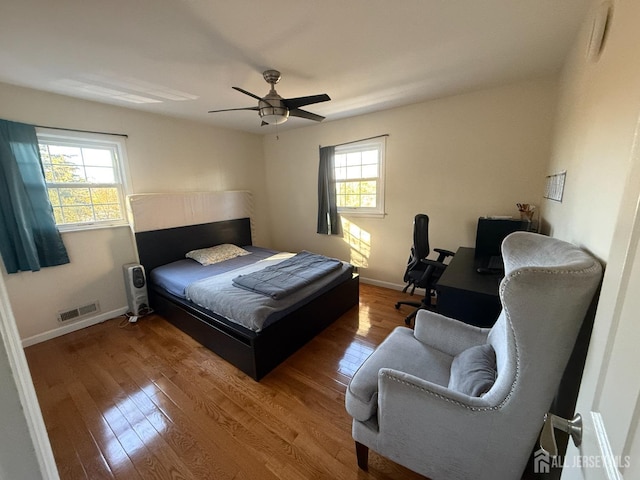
(390, 380)
(424, 423)
(446, 334)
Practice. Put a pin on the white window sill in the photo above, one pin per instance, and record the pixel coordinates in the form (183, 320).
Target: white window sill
(355, 213)
(81, 227)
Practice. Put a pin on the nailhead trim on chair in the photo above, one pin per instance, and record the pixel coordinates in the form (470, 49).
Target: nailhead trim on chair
(442, 397)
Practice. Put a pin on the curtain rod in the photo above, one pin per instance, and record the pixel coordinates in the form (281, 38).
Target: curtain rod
(83, 131)
(361, 140)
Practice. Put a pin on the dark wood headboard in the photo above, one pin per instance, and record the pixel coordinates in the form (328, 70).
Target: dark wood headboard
(158, 247)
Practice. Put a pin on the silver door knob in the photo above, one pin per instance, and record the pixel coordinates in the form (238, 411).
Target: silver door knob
(548, 437)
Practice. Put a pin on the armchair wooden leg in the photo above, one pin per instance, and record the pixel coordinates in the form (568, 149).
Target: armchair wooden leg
(362, 453)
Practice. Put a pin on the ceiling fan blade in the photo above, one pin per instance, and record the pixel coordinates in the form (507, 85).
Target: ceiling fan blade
(296, 112)
(247, 93)
(292, 103)
(232, 109)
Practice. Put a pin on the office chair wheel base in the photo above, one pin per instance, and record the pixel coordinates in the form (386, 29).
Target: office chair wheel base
(411, 316)
(397, 306)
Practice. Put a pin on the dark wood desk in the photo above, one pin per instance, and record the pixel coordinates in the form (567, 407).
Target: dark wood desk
(467, 295)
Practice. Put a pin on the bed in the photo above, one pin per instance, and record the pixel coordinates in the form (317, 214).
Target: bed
(255, 350)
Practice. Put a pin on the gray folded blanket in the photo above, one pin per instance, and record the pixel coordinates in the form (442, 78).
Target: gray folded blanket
(278, 281)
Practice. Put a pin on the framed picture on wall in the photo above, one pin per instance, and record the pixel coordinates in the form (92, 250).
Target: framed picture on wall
(554, 187)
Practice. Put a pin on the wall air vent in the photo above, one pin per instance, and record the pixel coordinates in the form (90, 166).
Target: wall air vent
(78, 312)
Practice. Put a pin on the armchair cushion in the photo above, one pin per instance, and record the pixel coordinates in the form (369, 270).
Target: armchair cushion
(446, 334)
(473, 372)
(399, 351)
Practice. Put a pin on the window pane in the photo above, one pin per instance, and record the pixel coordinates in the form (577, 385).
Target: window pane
(354, 172)
(53, 197)
(67, 173)
(368, 201)
(48, 173)
(75, 196)
(370, 156)
(341, 173)
(352, 201)
(108, 212)
(368, 188)
(97, 157)
(339, 161)
(352, 188)
(77, 214)
(57, 213)
(44, 154)
(100, 175)
(104, 195)
(354, 159)
(69, 154)
(369, 171)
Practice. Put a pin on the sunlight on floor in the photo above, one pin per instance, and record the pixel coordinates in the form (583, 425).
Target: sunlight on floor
(359, 348)
(142, 414)
(364, 323)
(353, 357)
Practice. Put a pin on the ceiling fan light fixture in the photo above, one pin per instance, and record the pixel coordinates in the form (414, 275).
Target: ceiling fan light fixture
(274, 115)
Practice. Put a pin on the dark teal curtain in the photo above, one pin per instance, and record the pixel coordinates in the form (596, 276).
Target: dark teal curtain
(29, 238)
(328, 218)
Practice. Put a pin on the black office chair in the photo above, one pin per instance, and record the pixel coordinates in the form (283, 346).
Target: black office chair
(422, 272)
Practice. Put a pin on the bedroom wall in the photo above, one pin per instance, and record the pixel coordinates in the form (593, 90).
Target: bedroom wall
(165, 154)
(598, 143)
(597, 116)
(455, 159)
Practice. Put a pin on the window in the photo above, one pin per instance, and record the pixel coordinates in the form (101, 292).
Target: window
(85, 178)
(359, 171)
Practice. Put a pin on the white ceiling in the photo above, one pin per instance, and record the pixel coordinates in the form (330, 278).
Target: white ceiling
(181, 57)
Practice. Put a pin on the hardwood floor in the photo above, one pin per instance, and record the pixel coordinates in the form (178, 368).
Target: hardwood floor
(146, 401)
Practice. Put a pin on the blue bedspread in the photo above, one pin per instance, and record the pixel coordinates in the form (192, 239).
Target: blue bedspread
(176, 276)
(254, 310)
(288, 276)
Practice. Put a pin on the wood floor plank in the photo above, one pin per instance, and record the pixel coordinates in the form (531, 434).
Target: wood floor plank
(188, 411)
(93, 462)
(144, 400)
(115, 455)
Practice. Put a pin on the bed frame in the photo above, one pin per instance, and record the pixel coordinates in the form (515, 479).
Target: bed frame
(256, 354)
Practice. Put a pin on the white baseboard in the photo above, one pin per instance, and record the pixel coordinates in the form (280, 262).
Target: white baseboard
(64, 329)
(392, 286)
(87, 322)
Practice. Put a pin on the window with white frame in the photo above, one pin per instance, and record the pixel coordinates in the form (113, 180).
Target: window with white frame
(359, 173)
(85, 176)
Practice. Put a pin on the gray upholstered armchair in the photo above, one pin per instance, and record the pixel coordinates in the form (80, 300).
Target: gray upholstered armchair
(452, 401)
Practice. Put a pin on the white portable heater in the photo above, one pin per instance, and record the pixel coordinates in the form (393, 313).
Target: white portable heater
(136, 286)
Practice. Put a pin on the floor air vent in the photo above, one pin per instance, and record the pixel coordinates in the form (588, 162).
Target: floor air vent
(79, 312)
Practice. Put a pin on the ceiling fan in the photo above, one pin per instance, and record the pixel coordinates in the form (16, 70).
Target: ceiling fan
(274, 109)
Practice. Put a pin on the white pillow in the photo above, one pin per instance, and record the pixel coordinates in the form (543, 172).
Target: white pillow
(219, 253)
